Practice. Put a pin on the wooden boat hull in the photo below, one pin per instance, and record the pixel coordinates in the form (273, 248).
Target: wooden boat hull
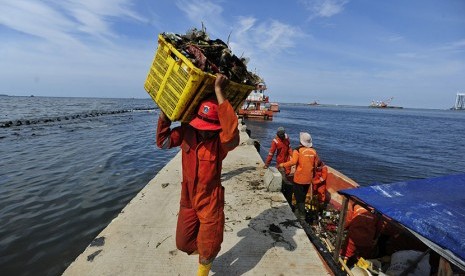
(328, 242)
(337, 181)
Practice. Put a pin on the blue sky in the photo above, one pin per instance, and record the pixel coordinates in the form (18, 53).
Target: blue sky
(331, 51)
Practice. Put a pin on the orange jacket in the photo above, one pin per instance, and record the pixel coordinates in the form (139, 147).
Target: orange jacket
(361, 225)
(282, 148)
(321, 173)
(201, 161)
(306, 160)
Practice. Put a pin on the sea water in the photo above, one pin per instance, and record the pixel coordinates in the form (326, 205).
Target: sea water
(68, 166)
(374, 145)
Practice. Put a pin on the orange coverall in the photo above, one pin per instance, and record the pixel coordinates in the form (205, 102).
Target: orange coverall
(319, 183)
(362, 227)
(283, 152)
(201, 218)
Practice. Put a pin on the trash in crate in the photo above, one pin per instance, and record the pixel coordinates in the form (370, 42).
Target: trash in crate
(183, 73)
(212, 56)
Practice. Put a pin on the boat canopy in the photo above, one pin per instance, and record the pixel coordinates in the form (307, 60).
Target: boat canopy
(432, 209)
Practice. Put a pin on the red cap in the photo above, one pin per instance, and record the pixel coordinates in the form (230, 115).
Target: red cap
(207, 116)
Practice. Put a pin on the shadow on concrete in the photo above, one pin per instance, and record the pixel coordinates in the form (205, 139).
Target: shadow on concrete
(236, 172)
(264, 232)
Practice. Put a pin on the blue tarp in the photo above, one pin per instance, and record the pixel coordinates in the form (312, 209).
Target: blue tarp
(433, 209)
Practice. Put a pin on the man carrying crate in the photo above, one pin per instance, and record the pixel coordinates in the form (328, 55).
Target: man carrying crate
(204, 143)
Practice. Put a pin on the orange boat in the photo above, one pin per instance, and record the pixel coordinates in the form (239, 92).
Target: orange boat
(325, 228)
(257, 105)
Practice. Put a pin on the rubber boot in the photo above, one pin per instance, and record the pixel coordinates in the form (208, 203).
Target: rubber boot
(322, 208)
(204, 269)
(300, 211)
(296, 213)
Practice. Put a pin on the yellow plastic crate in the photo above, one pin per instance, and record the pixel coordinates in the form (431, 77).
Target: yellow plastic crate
(177, 86)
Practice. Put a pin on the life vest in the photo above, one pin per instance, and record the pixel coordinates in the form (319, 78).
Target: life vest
(305, 159)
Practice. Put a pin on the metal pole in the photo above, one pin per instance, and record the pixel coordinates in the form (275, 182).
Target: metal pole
(340, 228)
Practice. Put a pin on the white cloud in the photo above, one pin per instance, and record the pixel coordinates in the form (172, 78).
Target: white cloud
(263, 41)
(65, 21)
(70, 47)
(36, 19)
(93, 17)
(248, 36)
(202, 11)
(408, 55)
(393, 38)
(276, 36)
(456, 46)
(324, 8)
(269, 37)
(245, 24)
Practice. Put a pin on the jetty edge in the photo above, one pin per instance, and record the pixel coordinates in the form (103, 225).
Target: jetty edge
(262, 236)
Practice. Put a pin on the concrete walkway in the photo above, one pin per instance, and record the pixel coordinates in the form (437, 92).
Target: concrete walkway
(261, 235)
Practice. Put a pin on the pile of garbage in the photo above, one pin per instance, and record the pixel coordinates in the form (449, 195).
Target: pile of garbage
(212, 56)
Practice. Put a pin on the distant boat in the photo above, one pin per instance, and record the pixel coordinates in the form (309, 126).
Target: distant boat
(314, 103)
(274, 107)
(257, 105)
(383, 104)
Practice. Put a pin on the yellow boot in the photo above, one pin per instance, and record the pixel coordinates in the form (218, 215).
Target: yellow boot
(204, 269)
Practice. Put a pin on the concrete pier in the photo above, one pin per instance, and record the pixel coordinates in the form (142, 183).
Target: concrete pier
(261, 235)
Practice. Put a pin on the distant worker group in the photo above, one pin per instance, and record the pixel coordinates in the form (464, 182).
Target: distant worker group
(309, 170)
(303, 169)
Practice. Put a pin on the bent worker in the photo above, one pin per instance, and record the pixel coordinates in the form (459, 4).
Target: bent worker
(204, 143)
(282, 146)
(361, 226)
(306, 159)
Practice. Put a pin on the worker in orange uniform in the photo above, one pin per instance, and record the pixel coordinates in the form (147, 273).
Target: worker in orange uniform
(319, 183)
(361, 226)
(282, 146)
(305, 158)
(204, 142)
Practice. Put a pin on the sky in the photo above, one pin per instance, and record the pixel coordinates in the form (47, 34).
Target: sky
(346, 52)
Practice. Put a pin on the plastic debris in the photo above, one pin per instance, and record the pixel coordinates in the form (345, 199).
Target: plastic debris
(212, 56)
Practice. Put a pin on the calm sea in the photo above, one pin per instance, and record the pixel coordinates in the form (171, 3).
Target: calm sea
(69, 165)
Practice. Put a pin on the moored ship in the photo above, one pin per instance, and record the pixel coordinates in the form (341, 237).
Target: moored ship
(257, 105)
(383, 104)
